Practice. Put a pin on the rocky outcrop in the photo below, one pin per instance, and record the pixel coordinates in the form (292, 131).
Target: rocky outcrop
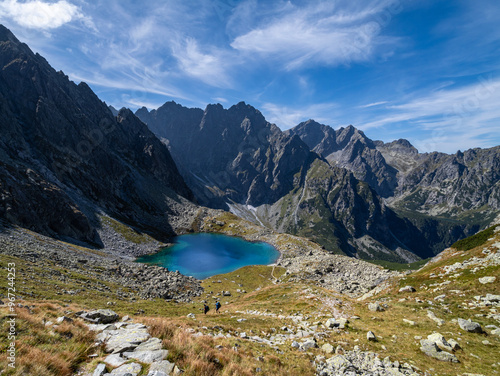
(64, 156)
(130, 345)
(357, 362)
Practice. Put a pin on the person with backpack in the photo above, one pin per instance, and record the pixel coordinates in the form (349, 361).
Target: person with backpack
(206, 308)
(217, 306)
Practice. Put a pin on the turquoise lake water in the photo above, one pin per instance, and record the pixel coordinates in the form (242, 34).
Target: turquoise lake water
(204, 255)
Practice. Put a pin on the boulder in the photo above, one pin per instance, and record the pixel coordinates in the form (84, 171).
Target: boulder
(486, 280)
(375, 307)
(100, 316)
(327, 348)
(454, 344)
(407, 289)
(409, 322)
(470, 326)
(62, 319)
(430, 348)
(433, 317)
(370, 336)
(440, 341)
(309, 344)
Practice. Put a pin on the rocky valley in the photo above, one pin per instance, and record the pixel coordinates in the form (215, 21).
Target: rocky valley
(86, 188)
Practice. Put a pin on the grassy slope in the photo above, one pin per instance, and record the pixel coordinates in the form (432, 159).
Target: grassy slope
(198, 356)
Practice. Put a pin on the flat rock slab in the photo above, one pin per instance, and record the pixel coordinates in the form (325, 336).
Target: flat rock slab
(147, 356)
(114, 360)
(151, 344)
(101, 327)
(162, 368)
(129, 369)
(126, 339)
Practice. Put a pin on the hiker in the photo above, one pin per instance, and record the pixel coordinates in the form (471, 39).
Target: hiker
(217, 306)
(205, 308)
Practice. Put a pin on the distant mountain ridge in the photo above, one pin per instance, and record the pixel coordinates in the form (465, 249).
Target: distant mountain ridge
(431, 183)
(312, 180)
(65, 158)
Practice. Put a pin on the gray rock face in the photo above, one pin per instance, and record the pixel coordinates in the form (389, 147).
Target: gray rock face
(351, 149)
(470, 326)
(410, 180)
(54, 182)
(236, 149)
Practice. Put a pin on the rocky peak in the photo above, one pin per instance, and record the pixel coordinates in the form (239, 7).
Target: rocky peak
(401, 146)
(68, 157)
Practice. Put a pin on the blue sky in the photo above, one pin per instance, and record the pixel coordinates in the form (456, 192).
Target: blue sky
(427, 71)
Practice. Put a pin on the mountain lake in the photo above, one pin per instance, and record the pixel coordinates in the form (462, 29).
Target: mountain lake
(204, 255)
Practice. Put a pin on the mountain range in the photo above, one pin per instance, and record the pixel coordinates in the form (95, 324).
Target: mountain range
(67, 159)
(351, 194)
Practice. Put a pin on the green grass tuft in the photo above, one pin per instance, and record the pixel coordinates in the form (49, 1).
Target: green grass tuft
(475, 240)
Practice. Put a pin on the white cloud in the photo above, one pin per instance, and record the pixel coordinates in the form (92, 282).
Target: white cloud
(288, 117)
(41, 15)
(210, 68)
(322, 34)
(450, 119)
(131, 84)
(373, 104)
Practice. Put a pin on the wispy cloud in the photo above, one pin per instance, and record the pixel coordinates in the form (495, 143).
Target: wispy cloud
(41, 15)
(128, 85)
(449, 119)
(373, 104)
(208, 67)
(287, 117)
(322, 33)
